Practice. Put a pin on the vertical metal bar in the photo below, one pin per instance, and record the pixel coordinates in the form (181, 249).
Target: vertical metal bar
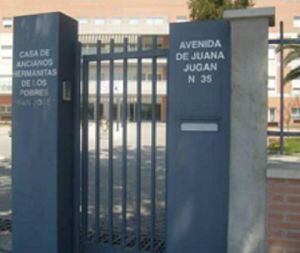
(281, 89)
(85, 151)
(166, 149)
(110, 162)
(138, 147)
(77, 153)
(124, 153)
(97, 144)
(153, 146)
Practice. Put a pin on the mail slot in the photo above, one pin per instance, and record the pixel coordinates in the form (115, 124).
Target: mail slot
(199, 126)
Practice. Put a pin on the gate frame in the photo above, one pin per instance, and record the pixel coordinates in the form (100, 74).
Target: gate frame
(81, 157)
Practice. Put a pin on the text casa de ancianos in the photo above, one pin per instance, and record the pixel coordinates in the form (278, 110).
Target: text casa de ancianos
(202, 59)
(33, 69)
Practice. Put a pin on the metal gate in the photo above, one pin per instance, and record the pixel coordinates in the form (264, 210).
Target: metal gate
(122, 203)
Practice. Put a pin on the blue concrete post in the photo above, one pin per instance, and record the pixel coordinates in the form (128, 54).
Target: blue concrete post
(43, 104)
(198, 137)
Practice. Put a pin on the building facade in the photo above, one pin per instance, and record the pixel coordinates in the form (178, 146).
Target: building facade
(116, 19)
(102, 20)
(289, 13)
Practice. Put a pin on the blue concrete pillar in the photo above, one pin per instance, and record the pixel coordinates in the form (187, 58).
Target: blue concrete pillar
(43, 104)
(198, 137)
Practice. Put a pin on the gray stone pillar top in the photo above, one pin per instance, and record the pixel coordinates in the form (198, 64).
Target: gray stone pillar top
(266, 12)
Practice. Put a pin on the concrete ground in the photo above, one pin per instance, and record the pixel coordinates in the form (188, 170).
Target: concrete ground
(5, 189)
(131, 179)
(5, 143)
(5, 172)
(5, 178)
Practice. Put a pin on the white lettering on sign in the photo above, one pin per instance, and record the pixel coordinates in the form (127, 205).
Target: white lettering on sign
(202, 59)
(33, 68)
(196, 44)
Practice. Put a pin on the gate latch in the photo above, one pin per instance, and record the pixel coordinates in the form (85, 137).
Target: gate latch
(67, 91)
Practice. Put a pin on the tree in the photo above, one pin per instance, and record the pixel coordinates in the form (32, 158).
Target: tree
(213, 9)
(293, 54)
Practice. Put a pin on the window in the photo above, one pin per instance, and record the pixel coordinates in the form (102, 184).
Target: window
(148, 77)
(296, 113)
(5, 84)
(132, 47)
(146, 112)
(7, 22)
(118, 47)
(272, 52)
(155, 21)
(132, 75)
(83, 21)
(118, 75)
(8, 108)
(147, 42)
(180, 19)
(88, 49)
(296, 87)
(6, 52)
(5, 109)
(99, 21)
(272, 115)
(272, 83)
(297, 21)
(6, 47)
(116, 21)
(134, 21)
(272, 65)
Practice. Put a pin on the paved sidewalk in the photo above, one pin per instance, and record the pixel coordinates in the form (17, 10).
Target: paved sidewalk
(5, 242)
(5, 178)
(5, 189)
